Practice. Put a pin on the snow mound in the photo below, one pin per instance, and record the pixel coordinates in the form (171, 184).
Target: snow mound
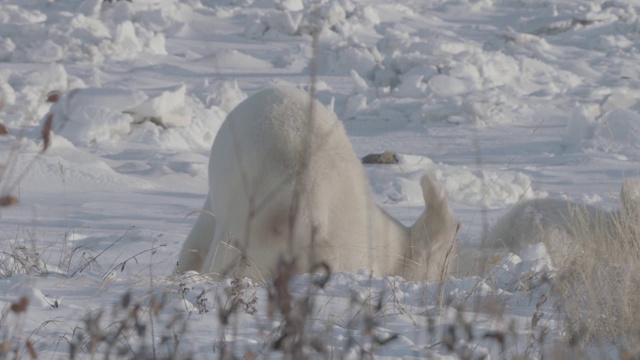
(618, 130)
(580, 126)
(95, 115)
(93, 30)
(485, 188)
(446, 86)
(527, 271)
(46, 52)
(166, 116)
(437, 67)
(6, 48)
(223, 94)
(399, 184)
(16, 15)
(197, 135)
(337, 22)
(234, 59)
(164, 106)
(24, 92)
(330, 17)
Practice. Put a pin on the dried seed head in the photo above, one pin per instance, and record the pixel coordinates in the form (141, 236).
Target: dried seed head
(3, 129)
(53, 96)
(8, 200)
(46, 132)
(5, 347)
(21, 305)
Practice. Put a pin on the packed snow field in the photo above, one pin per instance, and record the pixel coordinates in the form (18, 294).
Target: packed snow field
(501, 100)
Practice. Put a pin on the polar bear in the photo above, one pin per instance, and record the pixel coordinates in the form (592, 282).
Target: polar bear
(564, 226)
(266, 153)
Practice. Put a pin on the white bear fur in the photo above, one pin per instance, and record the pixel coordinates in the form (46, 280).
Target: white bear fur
(561, 224)
(255, 161)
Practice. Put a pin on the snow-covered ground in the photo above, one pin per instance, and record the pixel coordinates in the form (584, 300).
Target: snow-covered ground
(501, 100)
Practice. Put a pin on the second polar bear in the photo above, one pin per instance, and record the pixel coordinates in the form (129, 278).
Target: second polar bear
(564, 226)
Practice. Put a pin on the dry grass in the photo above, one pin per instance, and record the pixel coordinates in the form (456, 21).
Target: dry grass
(595, 294)
(125, 331)
(129, 329)
(598, 287)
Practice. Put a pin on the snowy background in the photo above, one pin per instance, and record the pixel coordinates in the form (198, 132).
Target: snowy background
(502, 100)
